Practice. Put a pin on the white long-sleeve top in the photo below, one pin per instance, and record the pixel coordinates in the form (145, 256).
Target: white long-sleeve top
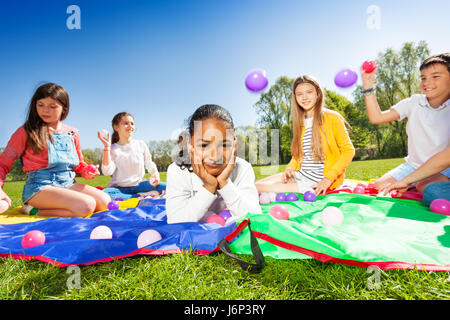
(128, 163)
(188, 201)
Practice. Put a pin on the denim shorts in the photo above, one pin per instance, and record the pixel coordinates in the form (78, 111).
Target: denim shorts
(398, 173)
(39, 179)
(437, 190)
(405, 169)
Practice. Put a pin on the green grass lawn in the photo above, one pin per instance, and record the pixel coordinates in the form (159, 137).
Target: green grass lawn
(188, 276)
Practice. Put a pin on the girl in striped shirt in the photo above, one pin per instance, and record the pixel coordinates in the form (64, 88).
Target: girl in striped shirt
(321, 147)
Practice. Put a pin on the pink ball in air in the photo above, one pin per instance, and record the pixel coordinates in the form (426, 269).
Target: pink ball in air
(101, 232)
(148, 237)
(33, 238)
(216, 219)
(332, 216)
(279, 212)
(369, 65)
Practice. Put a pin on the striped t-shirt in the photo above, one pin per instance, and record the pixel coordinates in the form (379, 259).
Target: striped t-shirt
(310, 169)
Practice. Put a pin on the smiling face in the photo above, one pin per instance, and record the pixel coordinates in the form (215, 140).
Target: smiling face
(213, 139)
(435, 82)
(306, 96)
(126, 127)
(49, 110)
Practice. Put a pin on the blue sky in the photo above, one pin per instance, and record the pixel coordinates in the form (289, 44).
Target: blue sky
(160, 60)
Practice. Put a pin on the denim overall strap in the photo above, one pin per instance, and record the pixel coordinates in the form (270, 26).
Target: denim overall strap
(62, 153)
(62, 158)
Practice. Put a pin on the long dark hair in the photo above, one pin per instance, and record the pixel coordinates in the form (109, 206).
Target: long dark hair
(115, 121)
(35, 127)
(207, 111)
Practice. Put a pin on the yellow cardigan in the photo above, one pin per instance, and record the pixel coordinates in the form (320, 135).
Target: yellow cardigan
(337, 146)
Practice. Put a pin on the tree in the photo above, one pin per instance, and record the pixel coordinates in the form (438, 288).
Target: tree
(274, 106)
(162, 152)
(359, 134)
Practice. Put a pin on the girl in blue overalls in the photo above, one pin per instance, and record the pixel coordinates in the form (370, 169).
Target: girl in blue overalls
(51, 154)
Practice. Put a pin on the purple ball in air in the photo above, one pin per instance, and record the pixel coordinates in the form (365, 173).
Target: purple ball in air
(280, 197)
(256, 80)
(345, 78)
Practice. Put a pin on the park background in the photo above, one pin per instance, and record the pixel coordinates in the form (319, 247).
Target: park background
(160, 60)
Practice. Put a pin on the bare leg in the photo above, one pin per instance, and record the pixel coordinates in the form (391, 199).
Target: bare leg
(53, 201)
(101, 198)
(274, 184)
(439, 177)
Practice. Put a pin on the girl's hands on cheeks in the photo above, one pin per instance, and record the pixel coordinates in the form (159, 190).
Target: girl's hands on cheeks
(321, 187)
(222, 178)
(287, 175)
(209, 181)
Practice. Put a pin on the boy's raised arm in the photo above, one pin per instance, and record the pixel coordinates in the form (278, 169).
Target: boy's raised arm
(376, 116)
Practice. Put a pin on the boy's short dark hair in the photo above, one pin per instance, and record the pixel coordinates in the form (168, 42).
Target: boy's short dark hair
(441, 58)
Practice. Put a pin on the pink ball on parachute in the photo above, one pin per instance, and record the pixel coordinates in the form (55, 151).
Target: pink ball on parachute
(256, 80)
(369, 65)
(101, 232)
(216, 219)
(264, 198)
(441, 206)
(272, 196)
(148, 237)
(359, 190)
(332, 216)
(3, 206)
(33, 238)
(279, 212)
(345, 78)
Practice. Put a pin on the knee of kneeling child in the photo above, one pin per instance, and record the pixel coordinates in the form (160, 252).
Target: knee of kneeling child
(420, 186)
(84, 208)
(102, 202)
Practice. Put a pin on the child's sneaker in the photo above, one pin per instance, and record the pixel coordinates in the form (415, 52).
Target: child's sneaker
(29, 210)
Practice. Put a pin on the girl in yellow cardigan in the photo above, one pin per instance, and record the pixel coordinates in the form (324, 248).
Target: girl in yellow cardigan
(321, 147)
